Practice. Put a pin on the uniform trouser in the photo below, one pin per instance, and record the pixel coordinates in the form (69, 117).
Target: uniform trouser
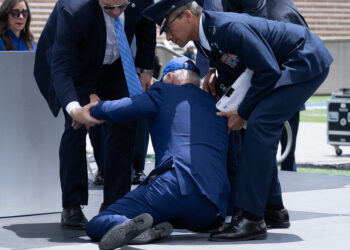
(160, 197)
(257, 179)
(118, 150)
(289, 162)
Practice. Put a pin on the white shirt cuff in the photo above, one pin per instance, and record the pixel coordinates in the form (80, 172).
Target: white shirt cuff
(71, 106)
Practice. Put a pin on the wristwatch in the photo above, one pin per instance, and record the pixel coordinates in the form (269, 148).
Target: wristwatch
(139, 70)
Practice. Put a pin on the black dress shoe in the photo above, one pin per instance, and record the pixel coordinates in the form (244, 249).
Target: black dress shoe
(73, 218)
(98, 180)
(138, 177)
(277, 218)
(242, 229)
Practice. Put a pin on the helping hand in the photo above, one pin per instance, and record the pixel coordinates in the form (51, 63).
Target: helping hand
(82, 116)
(234, 121)
(209, 83)
(146, 81)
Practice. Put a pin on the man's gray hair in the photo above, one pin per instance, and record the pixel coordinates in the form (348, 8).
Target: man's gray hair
(184, 76)
(193, 6)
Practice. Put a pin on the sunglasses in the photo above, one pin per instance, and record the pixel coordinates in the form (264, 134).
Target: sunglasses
(17, 13)
(166, 28)
(120, 6)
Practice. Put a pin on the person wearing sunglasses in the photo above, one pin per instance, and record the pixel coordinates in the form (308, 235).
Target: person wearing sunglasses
(15, 26)
(78, 61)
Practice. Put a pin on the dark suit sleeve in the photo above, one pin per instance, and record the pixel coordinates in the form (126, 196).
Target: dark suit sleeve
(64, 58)
(254, 7)
(144, 106)
(145, 34)
(251, 7)
(255, 53)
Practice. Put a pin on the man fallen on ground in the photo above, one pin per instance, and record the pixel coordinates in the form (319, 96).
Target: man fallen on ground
(189, 187)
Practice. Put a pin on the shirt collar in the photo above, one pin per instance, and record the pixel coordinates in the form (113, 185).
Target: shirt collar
(203, 39)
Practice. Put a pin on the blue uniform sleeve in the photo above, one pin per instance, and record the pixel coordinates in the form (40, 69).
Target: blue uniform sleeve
(144, 106)
(255, 53)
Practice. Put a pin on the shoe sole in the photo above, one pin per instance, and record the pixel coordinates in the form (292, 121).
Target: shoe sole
(278, 225)
(262, 236)
(158, 232)
(121, 234)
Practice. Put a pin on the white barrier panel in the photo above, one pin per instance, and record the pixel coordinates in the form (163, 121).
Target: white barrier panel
(29, 141)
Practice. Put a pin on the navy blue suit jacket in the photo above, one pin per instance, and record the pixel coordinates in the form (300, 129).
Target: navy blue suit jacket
(279, 53)
(280, 10)
(186, 134)
(72, 46)
(284, 10)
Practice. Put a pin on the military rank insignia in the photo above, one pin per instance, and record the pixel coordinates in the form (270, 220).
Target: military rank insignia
(230, 59)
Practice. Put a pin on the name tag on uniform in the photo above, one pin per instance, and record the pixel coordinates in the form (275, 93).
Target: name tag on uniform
(230, 59)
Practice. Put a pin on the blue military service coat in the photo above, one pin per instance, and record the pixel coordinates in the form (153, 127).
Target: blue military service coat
(279, 53)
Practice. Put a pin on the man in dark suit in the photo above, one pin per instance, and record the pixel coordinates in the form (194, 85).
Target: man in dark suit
(289, 64)
(189, 186)
(77, 62)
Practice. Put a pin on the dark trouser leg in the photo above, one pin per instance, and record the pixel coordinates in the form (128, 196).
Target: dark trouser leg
(232, 168)
(97, 139)
(289, 162)
(119, 137)
(141, 146)
(73, 171)
(258, 162)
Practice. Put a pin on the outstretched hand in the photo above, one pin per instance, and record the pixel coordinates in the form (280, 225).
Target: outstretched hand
(234, 121)
(81, 116)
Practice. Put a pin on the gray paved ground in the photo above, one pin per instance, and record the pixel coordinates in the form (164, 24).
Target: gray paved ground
(319, 207)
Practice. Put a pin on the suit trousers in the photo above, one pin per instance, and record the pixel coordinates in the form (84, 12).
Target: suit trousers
(257, 178)
(118, 145)
(160, 196)
(141, 145)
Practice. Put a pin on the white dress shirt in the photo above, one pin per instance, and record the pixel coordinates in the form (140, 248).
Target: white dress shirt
(202, 38)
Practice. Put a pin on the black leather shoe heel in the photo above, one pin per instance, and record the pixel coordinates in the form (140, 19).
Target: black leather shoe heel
(277, 218)
(73, 218)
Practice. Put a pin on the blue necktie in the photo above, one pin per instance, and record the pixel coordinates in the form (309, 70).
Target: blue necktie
(133, 81)
(202, 61)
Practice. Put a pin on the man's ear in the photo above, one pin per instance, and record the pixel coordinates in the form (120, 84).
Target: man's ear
(171, 78)
(188, 14)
